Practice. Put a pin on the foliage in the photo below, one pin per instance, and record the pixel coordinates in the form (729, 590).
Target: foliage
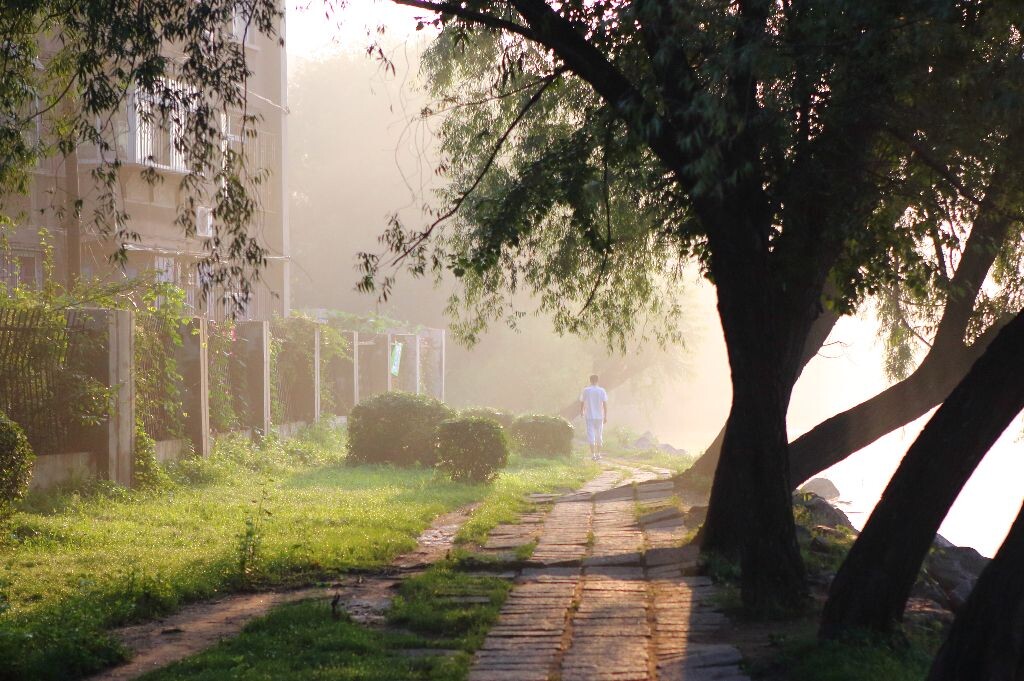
(228, 379)
(542, 435)
(147, 474)
(503, 418)
(397, 428)
(159, 315)
(16, 458)
(250, 542)
(292, 354)
(112, 55)
(471, 448)
(69, 349)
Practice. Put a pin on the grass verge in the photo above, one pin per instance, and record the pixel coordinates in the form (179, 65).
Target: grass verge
(78, 562)
(442, 609)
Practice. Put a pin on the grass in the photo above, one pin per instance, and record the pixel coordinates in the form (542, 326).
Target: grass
(302, 641)
(855, 660)
(524, 475)
(78, 562)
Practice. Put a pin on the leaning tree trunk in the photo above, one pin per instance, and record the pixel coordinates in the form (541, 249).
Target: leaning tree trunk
(986, 642)
(872, 586)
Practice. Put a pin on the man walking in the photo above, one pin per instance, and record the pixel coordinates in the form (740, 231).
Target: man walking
(594, 410)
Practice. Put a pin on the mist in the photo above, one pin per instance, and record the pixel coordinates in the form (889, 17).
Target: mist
(357, 156)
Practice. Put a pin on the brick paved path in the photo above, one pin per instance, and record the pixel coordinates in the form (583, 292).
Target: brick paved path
(608, 599)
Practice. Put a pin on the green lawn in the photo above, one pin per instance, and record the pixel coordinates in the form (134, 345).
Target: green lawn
(78, 563)
(302, 641)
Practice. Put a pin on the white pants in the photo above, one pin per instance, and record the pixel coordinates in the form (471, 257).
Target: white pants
(595, 431)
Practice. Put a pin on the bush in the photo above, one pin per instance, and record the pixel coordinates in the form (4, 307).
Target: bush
(505, 419)
(396, 428)
(471, 448)
(16, 457)
(540, 435)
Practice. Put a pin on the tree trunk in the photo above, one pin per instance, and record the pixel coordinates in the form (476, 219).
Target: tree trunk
(986, 642)
(750, 515)
(872, 586)
(698, 475)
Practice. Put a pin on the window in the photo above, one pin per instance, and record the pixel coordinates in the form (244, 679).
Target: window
(20, 270)
(204, 222)
(161, 127)
(165, 269)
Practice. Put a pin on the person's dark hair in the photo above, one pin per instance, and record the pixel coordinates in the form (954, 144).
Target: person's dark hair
(593, 379)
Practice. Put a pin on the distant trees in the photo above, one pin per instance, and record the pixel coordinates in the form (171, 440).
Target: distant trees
(789, 148)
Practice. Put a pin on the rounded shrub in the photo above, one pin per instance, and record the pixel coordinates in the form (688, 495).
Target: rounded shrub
(16, 458)
(541, 435)
(503, 418)
(471, 448)
(396, 428)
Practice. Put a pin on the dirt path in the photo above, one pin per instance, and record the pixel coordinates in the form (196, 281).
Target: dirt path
(609, 598)
(199, 626)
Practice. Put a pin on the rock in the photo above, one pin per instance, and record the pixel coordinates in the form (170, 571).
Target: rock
(657, 516)
(695, 516)
(941, 542)
(820, 511)
(928, 589)
(823, 487)
(803, 535)
(925, 611)
(669, 449)
(955, 570)
(646, 441)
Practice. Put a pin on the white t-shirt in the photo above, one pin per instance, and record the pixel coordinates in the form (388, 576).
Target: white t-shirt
(592, 397)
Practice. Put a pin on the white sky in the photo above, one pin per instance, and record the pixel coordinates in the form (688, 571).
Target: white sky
(311, 34)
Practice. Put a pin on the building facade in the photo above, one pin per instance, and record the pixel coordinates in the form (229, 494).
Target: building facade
(142, 146)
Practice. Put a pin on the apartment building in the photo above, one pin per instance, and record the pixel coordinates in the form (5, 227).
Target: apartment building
(140, 144)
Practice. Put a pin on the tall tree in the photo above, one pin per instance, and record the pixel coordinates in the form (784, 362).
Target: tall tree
(766, 127)
(986, 641)
(953, 315)
(871, 588)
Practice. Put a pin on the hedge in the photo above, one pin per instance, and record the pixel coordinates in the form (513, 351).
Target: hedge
(396, 428)
(471, 448)
(16, 458)
(540, 435)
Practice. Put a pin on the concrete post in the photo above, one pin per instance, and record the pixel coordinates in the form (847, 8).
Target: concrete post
(417, 342)
(316, 372)
(388, 341)
(121, 426)
(254, 344)
(113, 365)
(194, 367)
(355, 368)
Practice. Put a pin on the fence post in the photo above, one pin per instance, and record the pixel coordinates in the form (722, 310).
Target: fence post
(254, 337)
(120, 376)
(194, 367)
(316, 372)
(355, 368)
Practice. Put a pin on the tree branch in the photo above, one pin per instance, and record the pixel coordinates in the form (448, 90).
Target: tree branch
(466, 14)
